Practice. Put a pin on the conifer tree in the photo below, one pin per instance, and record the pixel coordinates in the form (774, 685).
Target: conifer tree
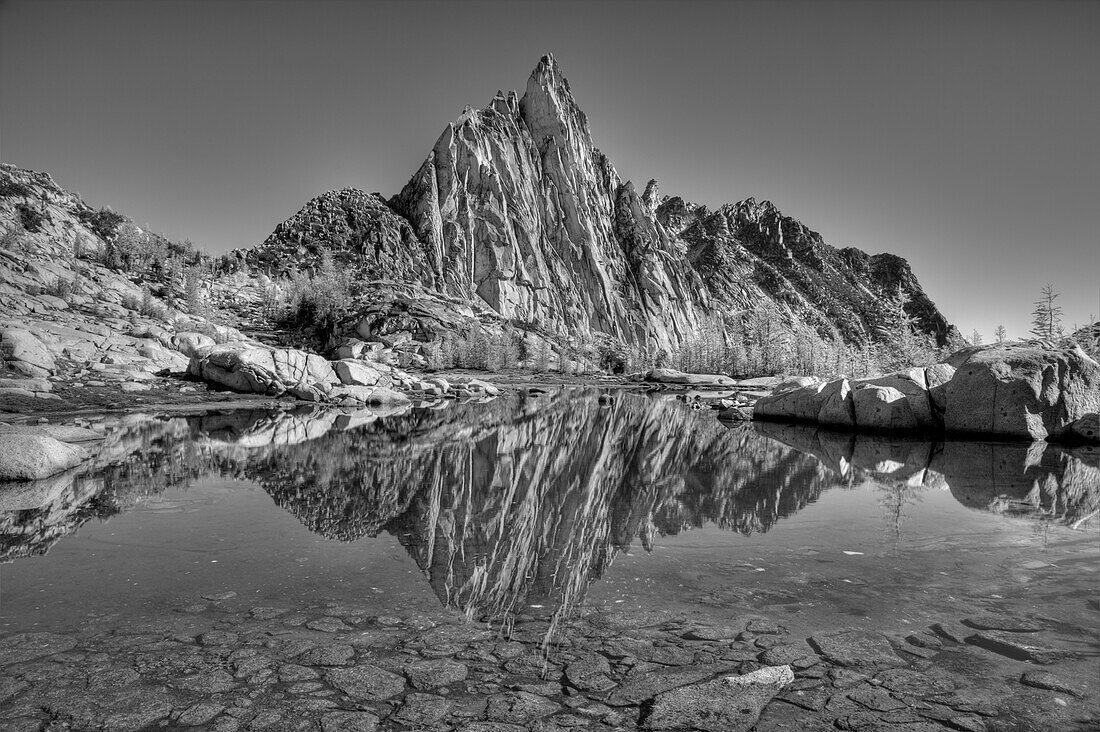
(1000, 334)
(903, 345)
(1046, 318)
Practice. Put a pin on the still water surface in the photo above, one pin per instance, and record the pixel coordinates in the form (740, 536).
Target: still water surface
(544, 505)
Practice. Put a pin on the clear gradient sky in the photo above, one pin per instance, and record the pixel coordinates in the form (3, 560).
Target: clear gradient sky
(962, 136)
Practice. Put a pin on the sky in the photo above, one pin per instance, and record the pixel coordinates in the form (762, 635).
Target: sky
(961, 136)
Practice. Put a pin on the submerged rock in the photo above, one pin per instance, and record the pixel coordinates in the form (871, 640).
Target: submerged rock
(28, 646)
(349, 722)
(635, 690)
(731, 704)
(519, 707)
(1015, 646)
(366, 682)
(1048, 681)
(857, 648)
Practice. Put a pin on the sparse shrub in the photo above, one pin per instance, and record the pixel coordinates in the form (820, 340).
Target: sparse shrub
(10, 188)
(611, 356)
(472, 352)
(542, 356)
(192, 291)
(61, 287)
(146, 305)
(317, 301)
(137, 252)
(83, 248)
(103, 222)
(503, 352)
(32, 218)
(13, 237)
(447, 353)
(433, 355)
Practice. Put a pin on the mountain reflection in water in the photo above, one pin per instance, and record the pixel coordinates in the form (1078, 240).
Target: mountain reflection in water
(525, 501)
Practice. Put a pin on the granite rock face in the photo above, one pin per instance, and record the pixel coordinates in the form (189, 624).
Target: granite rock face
(26, 354)
(520, 210)
(515, 210)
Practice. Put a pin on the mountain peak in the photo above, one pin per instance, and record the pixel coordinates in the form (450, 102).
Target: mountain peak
(547, 68)
(517, 210)
(550, 111)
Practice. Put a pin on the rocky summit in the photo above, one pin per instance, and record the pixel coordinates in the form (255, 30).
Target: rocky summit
(516, 212)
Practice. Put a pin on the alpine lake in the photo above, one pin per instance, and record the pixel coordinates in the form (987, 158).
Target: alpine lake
(548, 561)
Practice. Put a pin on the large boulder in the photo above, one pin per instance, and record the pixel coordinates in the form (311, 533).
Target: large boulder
(892, 403)
(800, 404)
(883, 409)
(33, 457)
(912, 384)
(1084, 429)
(25, 354)
(836, 406)
(189, 343)
(253, 369)
(352, 372)
(1020, 390)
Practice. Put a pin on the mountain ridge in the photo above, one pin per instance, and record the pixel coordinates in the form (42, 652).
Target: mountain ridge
(516, 209)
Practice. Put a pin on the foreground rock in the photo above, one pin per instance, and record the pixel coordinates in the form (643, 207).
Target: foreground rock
(1020, 390)
(34, 457)
(272, 671)
(732, 704)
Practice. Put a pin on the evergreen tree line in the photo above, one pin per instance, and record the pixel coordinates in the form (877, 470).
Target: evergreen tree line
(764, 342)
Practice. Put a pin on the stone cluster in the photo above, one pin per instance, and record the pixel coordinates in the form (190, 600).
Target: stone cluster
(1022, 390)
(355, 378)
